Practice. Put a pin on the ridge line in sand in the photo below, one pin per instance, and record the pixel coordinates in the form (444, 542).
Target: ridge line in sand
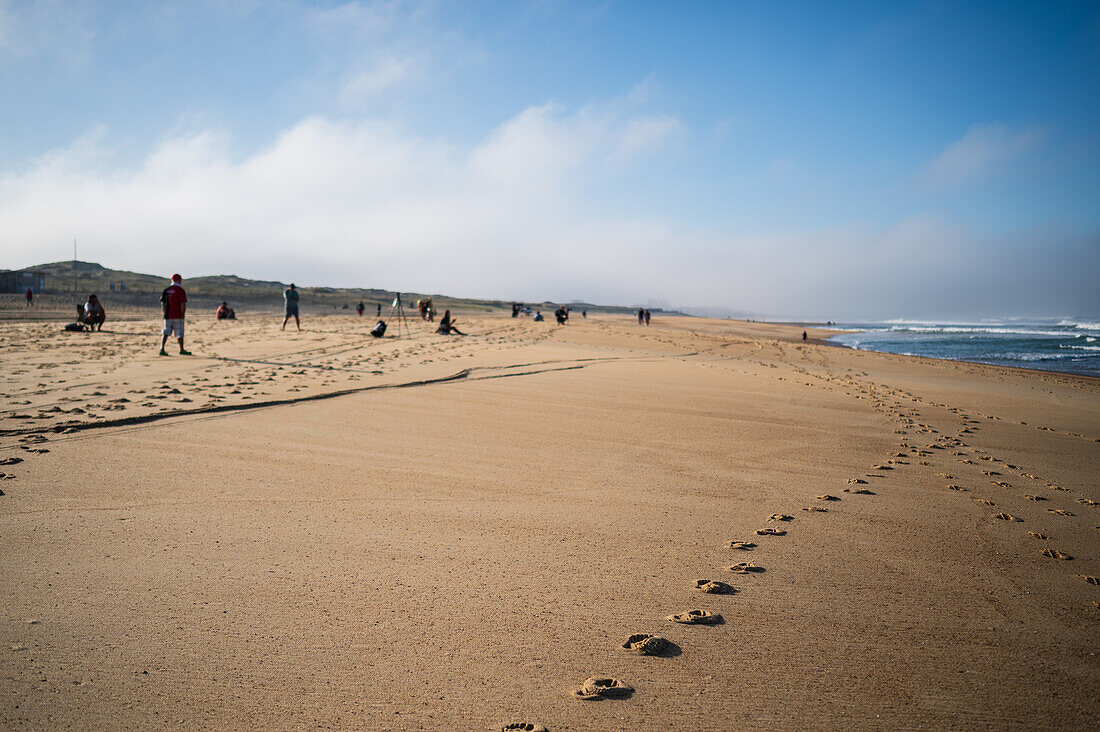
(228, 408)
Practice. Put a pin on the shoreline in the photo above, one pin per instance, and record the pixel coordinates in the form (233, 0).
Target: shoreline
(830, 342)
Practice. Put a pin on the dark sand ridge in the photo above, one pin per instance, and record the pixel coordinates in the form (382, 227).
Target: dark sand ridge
(467, 553)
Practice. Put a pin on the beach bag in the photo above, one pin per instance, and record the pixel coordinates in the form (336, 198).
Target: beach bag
(379, 329)
(75, 327)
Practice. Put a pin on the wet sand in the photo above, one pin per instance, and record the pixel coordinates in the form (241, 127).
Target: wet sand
(322, 529)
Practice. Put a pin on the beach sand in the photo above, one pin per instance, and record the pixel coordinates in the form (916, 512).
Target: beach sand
(292, 530)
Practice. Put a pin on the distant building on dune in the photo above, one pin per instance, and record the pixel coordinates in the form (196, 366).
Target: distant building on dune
(19, 280)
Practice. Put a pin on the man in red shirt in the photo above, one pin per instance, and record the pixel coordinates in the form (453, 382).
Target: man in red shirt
(174, 302)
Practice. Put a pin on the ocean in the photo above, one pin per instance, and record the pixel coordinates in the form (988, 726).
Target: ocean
(1063, 345)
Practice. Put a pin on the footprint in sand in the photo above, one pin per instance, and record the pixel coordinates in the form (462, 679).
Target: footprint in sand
(596, 688)
(1034, 498)
(1037, 535)
(714, 587)
(744, 568)
(1091, 580)
(984, 502)
(990, 472)
(770, 532)
(11, 461)
(1087, 502)
(1060, 512)
(945, 476)
(1000, 483)
(816, 509)
(1007, 517)
(881, 467)
(859, 491)
(780, 517)
(645, 644)
(856, 481)
(695, 617)
(956, 488)
(827, 497)
(1055, 554)
(744, 546)
(523, 727)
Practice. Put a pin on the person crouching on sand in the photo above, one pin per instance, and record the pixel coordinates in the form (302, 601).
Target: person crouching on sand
(174, 302)
(94, 314)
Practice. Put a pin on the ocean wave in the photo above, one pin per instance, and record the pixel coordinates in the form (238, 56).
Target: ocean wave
(981, 329)
(1078, 324)
(1081, 348)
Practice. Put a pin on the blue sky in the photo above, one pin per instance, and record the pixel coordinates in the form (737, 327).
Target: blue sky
(816, 160)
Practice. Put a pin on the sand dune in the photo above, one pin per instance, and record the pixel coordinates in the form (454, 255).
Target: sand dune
(321, 528)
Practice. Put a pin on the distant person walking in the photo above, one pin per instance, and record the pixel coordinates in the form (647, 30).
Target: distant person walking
(379, 313)
(290, 298)
(641, 316)
(30, 297)
(803, 336)
(174, 302)
(647, 316)
(360, 308)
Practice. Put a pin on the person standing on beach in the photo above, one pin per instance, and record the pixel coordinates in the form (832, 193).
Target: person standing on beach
(647, 316)
(360, 308)
(379, 313)
(290, 298)
(641, 316)
(174, 302)
(30, 297)
(803, 336)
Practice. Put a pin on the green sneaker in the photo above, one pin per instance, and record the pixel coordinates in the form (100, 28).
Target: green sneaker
(163, 352)
(184, 353)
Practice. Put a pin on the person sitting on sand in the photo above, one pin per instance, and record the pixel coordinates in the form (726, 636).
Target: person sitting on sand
(94, 314)
(224, 312)
(538, 317)
(447, 326)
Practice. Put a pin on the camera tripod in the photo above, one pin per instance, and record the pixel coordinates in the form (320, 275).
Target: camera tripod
(398, 311)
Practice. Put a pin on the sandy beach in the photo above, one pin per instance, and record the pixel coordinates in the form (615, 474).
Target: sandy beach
(320, 529)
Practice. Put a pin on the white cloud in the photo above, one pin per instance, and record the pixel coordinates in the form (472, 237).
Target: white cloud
(982, 151)
(340, 203)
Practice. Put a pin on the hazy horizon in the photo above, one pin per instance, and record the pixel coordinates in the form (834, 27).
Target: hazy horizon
(800, 162)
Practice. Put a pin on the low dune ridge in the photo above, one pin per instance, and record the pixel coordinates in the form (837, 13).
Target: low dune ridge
(325, 529)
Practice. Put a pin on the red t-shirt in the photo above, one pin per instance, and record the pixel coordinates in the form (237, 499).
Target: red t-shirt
(177, 298)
